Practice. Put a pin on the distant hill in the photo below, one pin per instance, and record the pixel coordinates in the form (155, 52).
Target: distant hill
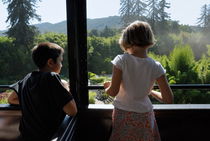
(99, 24)
(1, 32)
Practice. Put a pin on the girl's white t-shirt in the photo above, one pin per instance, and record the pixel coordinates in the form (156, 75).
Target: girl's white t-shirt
(138, 77)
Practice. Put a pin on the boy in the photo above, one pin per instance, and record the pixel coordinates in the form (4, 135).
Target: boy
(44, 99)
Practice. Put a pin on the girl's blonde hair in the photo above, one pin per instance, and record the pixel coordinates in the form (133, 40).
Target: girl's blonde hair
(138, 33)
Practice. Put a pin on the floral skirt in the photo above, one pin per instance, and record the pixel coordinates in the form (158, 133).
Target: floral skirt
(131, 126)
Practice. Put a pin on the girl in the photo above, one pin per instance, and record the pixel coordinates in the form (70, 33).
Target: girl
(134, 75)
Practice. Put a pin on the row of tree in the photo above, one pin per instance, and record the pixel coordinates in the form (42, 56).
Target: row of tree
(174, 48)
(101, 50)
(154, 12)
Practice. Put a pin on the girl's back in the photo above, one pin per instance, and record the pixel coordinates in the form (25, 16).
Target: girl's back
(138, 77)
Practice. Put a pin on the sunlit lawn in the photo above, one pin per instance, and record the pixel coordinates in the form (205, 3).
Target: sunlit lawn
(3, 97)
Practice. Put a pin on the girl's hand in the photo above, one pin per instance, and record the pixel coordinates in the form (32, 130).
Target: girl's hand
(107, 84)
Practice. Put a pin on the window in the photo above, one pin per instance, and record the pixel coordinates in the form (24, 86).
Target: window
(15, 52)
(182, 45)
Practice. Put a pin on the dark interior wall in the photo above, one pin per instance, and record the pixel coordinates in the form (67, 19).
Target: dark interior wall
(184, 125)
(95, 124)
(9, 124)
(174, 125)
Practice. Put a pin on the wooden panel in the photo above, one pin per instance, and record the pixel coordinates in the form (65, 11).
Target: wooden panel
(9, 124)
(175, 122)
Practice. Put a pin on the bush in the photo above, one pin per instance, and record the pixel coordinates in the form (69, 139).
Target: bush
(97, 80)
(92, 96)
(182, 64)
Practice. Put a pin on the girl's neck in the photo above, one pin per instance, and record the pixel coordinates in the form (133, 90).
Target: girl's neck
(138, 51)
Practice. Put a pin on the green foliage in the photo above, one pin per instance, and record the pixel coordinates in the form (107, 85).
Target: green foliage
(203, 69)
(19, 15)
(208, 50)
(3, 101)
(191, 96)
(107, 32)
(58, 38)
(181, 58)
(93, 32)
(100, 51)
(164, 62)
(12, 61)
(92, 96)
(97, 80)
(91, 75)
(3, 97)
(197, 41)
(174, 51)
(181, 64)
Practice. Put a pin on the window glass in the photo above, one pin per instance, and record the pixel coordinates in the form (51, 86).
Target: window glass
(181, 28)
(20, 34)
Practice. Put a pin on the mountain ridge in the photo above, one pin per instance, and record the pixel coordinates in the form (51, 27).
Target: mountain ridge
(60, 27)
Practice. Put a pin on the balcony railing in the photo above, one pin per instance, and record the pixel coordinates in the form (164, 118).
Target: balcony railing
(173, 86)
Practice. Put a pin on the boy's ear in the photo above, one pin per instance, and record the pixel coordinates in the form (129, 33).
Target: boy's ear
(50, 62)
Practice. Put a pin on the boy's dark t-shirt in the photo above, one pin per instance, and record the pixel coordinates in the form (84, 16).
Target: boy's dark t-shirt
(42, 98)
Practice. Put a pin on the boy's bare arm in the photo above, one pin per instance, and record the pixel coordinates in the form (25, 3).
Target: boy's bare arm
(13, 98)
(70, 108)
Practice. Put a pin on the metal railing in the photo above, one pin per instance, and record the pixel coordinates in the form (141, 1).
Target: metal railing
(173, 86)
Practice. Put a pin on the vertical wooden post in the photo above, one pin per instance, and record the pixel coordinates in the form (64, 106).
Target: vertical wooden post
(77, 50)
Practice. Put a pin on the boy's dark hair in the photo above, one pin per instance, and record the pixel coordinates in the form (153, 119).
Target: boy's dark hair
(44, 51)
(138, 33)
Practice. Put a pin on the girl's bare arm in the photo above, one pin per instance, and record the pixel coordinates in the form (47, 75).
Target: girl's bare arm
(112, 88)
(165, 95)
(13, 98)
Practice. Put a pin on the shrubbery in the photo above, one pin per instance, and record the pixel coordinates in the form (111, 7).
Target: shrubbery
(185, 56)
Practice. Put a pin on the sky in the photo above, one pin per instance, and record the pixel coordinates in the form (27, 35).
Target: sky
(53, 11)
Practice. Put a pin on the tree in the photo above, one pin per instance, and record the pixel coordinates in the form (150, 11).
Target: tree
(203, 69)
(93, 32)
(126, 12)
(162, 6)
(107, 32)
(181, 64)
(139, 10)
(204, 19)
(163, 16)
(174, 27)
(20, 12)
(153, 13)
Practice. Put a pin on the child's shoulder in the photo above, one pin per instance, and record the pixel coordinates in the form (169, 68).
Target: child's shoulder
(45, 75)
(122, 56)
(54, 75)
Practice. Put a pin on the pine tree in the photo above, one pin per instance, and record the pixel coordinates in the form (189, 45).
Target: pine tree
(153, 13)
(126, 14)
(139, 10)
(107, 32)
(20, 12)
(164, 16)
(204, 19)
